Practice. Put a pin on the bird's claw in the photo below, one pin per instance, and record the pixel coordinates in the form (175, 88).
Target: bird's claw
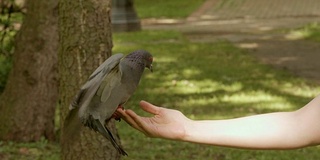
(116, 116)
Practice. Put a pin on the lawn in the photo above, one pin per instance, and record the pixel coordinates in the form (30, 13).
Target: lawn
(204, 81)
(166, 9)
(310, 32)
(208, 81)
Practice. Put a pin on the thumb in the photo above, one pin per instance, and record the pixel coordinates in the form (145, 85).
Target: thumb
(150, 108)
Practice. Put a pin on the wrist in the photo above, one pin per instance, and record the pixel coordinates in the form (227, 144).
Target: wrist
(189, 130)
(200, 131)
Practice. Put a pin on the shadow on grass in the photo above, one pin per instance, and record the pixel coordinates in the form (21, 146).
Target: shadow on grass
(205, 81)
(220, 77)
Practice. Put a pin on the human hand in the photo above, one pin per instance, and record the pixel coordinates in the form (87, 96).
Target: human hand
(166, 123)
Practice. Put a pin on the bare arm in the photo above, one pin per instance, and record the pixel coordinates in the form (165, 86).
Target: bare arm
(279, 130)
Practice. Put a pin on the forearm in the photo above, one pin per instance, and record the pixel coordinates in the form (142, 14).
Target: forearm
(280, 130)
(266, 131)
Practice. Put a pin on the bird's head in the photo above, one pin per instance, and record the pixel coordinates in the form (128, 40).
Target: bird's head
(142, 58)
(149, 61)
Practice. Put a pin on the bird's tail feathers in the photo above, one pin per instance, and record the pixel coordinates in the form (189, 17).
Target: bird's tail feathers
(107, 134)
(77, 99)
(71, 126)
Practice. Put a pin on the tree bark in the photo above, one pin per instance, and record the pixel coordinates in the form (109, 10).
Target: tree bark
(28, 102)
(85, 42)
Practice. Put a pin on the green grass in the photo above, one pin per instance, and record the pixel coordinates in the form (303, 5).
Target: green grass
(208, 81)
(42, 150)
(204, 81)
(309, 32)
(166, 9)
(312, 31)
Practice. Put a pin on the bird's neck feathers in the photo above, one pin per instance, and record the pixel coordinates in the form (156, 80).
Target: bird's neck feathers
(135, 64)
(132, 70)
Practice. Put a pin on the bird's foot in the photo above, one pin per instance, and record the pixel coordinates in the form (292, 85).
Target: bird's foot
(116, 116)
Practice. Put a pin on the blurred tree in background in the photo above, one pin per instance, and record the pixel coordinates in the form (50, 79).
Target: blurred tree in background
(28, 101)
(29, 98)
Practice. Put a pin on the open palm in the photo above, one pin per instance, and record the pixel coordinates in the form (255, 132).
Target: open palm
(166, 123)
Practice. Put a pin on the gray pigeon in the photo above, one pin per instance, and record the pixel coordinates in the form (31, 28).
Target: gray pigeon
(109, 87)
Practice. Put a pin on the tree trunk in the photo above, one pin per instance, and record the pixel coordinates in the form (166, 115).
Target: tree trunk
(28, 102)
(85, 42)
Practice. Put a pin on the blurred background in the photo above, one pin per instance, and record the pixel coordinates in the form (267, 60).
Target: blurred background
(214, 59)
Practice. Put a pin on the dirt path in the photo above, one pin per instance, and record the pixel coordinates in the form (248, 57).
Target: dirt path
(255, 26)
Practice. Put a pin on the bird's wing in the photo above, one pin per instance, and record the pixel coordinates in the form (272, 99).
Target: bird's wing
(107, 65)
(110, 82)
(88, 90)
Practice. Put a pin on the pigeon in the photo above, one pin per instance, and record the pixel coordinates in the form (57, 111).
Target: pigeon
(109, 87)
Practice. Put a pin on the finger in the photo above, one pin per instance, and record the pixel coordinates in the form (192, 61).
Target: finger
(121, 112)
(133, 120)
(128, 119)
(148, 107)
(142, 125)
(131, 114)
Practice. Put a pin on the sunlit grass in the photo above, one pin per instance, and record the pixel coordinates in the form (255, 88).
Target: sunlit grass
(207, 81)
(310, 31)
(204, 81)
(166, 9)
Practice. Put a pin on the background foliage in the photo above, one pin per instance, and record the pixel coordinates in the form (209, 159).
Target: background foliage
(11, 14)
(203, 80)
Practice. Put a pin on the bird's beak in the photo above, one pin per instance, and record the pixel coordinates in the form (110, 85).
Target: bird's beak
(150, 67)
